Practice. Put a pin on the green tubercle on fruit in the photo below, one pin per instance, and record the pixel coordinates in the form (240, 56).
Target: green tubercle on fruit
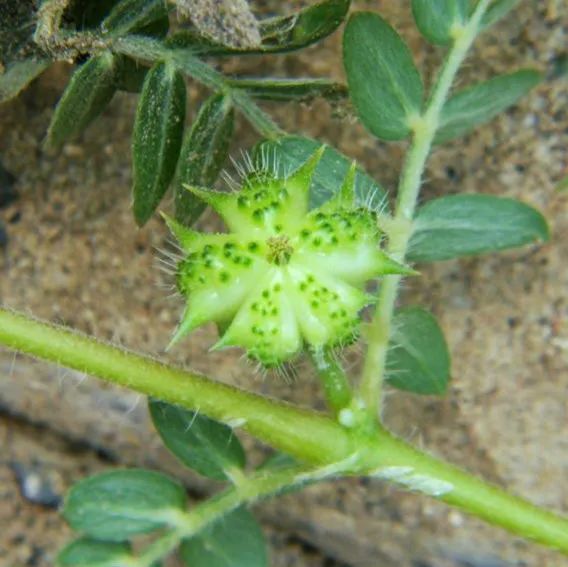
(283, 277)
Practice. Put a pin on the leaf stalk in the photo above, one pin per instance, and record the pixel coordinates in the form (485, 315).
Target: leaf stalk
(424, 129)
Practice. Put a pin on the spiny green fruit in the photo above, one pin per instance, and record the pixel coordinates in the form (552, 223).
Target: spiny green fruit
(284, 277)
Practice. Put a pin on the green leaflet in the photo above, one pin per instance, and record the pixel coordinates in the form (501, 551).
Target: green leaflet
(116, 505)
(465, 225)
(300, 90)
(86, 552)
(289, 152)
(203, 444)
(236, 540)
(89, 91)
(157, 136)
(384, 84)
(279, 34)
(481, 102)
(203, 153)
(145, 17)
(418, 360)
(436, 18)
(18, 76)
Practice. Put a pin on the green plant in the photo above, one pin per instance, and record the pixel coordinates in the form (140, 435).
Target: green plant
(197, 417)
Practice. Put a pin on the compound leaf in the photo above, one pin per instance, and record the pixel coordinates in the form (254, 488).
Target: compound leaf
(481, 102)
(290, 152)
(436, 18)
(203, 444)
(89, 91)
(418, 360)
(203, 153)
(86, 552)
(384, 84)
(157, 136)
(236, 540)
(116, 505)
(465, 225)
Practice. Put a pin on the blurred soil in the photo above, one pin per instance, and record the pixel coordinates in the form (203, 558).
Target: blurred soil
(75, 256)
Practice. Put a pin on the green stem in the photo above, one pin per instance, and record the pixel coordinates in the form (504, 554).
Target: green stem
(303, 434)
(335, 384)
(157, 550)
(424, 130)
(252, 489)
(458, 488)
(265, 418)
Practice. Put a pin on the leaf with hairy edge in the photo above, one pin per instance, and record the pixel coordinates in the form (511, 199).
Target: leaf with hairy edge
(157, 136)
(86, 552)
(384, 84)
(17, 76)
(496, 11)
(203, 153)
(465, 225)
(279, 34)
(116, 505)
(90, 89)
(203, 444)
(436, 19)
(481, 102)
(290, 152)
(418, 360)
(235, 540)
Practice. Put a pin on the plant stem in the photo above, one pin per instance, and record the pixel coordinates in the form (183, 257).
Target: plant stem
(267, 419)
(252, 489)
(424, 130)
(158, 549)
(333, 379)
(458, 488)
(303, 434)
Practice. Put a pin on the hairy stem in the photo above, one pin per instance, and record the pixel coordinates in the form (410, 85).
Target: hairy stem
(266, 418)
(421, 472)
(424, 129)
(306, 435)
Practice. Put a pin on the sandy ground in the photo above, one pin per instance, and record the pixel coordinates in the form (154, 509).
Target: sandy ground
(74, 256)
